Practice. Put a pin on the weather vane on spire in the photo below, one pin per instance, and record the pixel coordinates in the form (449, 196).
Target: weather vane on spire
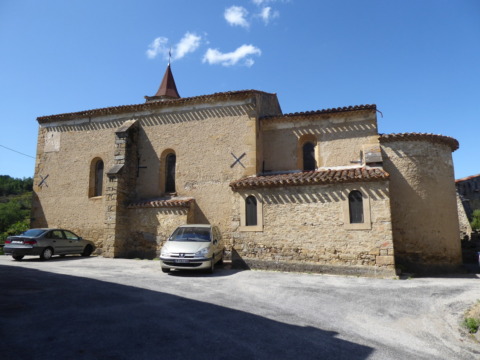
(169, 56)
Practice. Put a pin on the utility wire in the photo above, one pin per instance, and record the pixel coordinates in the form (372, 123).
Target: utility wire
(17, 152)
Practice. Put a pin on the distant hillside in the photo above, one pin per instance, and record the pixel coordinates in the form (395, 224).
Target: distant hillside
(13, 186)
(15, 205)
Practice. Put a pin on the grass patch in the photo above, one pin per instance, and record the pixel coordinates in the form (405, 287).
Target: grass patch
(471, 320)
(472, 325)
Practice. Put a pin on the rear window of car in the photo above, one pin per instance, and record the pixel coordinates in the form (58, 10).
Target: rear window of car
(33, 232)
(191, 234)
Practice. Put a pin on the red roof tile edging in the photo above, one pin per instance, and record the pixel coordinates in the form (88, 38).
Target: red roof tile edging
(324, 111)
(148, 106)
(320, 177)
(439, 139)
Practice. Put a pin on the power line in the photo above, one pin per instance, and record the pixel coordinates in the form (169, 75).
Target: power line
(18, 152)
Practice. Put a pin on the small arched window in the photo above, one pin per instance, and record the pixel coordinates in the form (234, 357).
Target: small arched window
(309, 163)
(355, 205)
(170, 164)
(251, 211)
(98, 178)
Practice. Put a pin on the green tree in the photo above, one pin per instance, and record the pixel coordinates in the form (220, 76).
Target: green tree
(475, 220)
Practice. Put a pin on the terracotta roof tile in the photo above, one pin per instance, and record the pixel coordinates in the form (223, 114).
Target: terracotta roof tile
(441, 139)
(162, 203)
(324, 111)
(319, 177)
(229, 95)
(467, 178)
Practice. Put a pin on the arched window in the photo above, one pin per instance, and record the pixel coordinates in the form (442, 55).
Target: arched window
(355, 205)
(170, 163)
(98, 178)
(251, 211)
(95, 187)
(309, 163)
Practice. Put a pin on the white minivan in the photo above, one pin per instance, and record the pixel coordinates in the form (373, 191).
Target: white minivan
(192, 247)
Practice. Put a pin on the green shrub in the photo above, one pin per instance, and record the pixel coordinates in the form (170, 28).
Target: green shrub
(471, 324)
(475, 220)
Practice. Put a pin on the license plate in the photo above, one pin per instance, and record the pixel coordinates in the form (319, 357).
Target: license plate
(17, 242)
(181, 261)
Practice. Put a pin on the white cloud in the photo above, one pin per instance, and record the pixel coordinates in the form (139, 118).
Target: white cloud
(189, 43)
(213, 56)
(158, 46)
(267, 14)
(261, 2)
(236, 16)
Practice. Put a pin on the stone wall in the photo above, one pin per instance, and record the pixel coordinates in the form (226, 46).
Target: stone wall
(64, 156)
(465, 227)
(424, 203)
(469, 190)
(150, 228)
(305, 228)
(207, 143)
(340, 138)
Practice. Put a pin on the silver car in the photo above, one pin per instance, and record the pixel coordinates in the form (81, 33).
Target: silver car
(192, 247)
(46, 243)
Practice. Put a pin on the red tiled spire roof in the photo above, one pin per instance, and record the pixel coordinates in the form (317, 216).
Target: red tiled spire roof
(167, 89)
(319, 177)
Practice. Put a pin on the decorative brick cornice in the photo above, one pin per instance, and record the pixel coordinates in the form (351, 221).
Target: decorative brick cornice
(438, 139)
(320, 177)
(305, 114)
(221, 96)
(162, 203)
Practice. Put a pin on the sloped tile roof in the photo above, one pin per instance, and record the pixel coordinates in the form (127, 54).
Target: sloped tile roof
(167, 89)
(319, 177)
(439, 139)
(324, 111)
(162, 203)
(467, 178)
(221, 96)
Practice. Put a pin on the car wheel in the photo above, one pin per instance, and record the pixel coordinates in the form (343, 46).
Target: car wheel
(46, 254)
(165, 270)
(211, 269)
(221, 259)
(17, 257)
(87, 251)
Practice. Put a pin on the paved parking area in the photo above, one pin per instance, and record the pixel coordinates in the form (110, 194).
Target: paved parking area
(96, 308)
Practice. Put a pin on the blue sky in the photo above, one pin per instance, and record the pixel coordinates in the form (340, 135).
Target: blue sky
(418, 60)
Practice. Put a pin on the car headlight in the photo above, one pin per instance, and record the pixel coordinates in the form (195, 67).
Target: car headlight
(203, 252)
(165, 253)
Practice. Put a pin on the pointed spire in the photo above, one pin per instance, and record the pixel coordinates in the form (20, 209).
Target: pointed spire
(167, 89)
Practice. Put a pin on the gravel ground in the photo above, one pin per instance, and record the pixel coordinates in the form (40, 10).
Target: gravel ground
(97, 308)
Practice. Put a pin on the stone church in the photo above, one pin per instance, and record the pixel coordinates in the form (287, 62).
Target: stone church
(318, 191)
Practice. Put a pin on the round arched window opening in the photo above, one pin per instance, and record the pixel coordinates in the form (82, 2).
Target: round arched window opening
(170, 162)
(355, 205)
(309, 163)
(251, 211)
(98, 186)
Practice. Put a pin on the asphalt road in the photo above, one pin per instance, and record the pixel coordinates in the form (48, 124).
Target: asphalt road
(96, 308)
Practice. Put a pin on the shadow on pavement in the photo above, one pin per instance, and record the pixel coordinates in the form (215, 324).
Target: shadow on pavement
(51, 316)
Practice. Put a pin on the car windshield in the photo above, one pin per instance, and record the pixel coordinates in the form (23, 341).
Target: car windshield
(33, 232)
(191, 234)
